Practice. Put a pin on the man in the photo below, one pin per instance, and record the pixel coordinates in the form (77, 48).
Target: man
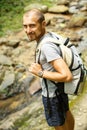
(51, 67)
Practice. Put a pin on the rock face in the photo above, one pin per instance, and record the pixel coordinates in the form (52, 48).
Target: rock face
(17, 85)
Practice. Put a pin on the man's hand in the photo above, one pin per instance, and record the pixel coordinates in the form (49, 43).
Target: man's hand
(35, 68)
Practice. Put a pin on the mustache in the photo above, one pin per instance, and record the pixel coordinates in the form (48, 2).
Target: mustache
(30, 33)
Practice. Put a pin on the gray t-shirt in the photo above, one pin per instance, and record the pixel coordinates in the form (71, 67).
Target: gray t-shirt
(49, 52)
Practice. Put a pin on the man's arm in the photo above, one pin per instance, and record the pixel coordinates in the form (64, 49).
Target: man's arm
(62, 73)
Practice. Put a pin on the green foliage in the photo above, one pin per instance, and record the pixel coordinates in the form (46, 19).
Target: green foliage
(11, 12)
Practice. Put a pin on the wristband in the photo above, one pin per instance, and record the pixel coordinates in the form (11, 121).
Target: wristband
(40, 74)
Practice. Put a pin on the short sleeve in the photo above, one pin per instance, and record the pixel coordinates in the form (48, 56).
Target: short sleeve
(50, 51)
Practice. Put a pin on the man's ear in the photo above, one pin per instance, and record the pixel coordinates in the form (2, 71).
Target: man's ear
(44, 23)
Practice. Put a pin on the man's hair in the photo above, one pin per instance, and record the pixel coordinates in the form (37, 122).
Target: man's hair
(36, 12)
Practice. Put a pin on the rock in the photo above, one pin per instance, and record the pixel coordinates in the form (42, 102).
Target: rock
(5, 88)
(84, 111)
(83, 32)
(13, 43)
(58, 9)
(4, 60)
(56, 20)
(14, 82)
(83, 2)
(7, 80)
(35, 87)
(75, 37)
(17, 51)
(73, 9)
(20, 68)
(80, 124)
(3, 40)
(62, 2)
(84, 8)
(6, 50)
(84, 56)
(77, 20)
(41, 7)
(82, 48)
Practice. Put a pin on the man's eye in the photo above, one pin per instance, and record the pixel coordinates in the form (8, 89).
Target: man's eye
(32, 25)
(25, 26)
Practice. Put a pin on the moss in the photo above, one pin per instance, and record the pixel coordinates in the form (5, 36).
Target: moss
(78, 98)
(11, 14)
(27, 119)
(22, 122)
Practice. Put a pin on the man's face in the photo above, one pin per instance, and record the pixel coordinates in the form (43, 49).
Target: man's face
(33, 28)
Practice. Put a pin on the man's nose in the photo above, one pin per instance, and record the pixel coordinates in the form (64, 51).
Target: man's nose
(28, 29)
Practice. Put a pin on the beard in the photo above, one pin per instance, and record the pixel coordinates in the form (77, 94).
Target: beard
(31, 37)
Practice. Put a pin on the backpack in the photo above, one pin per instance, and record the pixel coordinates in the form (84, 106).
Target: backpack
(70, 55)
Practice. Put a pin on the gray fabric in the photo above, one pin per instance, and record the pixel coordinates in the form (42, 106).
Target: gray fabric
(49, 52)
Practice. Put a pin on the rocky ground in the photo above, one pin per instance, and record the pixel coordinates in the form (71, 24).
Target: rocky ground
(19, 109)
(32, 116)
(80, 113)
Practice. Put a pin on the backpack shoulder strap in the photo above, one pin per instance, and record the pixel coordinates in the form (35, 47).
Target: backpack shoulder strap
(63, 44)
(60, 39)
